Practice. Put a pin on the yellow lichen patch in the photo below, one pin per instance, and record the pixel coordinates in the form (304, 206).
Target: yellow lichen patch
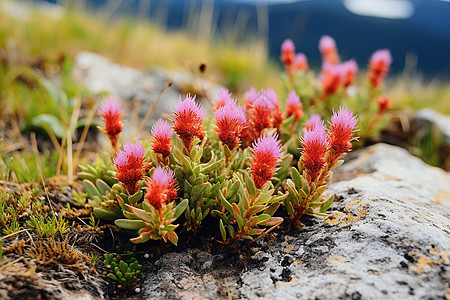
(407, 199)
(287, 247)
(423, 263)
(336, 259)
(342, 219)
(444, 255)
(298, 260)
(442, 196)
(350, 205)
(282, 284)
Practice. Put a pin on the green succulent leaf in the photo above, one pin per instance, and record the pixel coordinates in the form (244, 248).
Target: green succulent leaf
(130, 224)
(180, 208)
(327, 204)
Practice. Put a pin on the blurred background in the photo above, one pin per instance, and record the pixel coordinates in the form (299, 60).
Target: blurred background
(416, 31)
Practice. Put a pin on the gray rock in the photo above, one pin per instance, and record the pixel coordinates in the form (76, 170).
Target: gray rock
(138, 90)
(387, 238)
(431, 131)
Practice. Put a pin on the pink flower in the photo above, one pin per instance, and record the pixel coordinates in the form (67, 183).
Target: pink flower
(162, 135)
(230, 123)
(129, 163)
(327, 47)
(301, 62)
(349, 69)
(342, 128)
(250, 95)
(294, 106)
(224, 98)
(112, 116)
(188, 121)
(315, 145)
(379, 65)
(266, 155)
(287, 52)
(312, 122)
(161, 188)
(331, 79)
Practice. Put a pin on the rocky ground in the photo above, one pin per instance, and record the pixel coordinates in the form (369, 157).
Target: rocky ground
(388, 238)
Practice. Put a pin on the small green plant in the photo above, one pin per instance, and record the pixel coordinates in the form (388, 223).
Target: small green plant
(124, 272)
(46, 228)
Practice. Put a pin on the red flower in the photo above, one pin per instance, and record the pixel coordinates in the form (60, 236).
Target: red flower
(112, 116)
(379, 65)
(331, 79)
(223, 99)
(161, 188)
(315, 145)
(230, 123)
(327, 47)
(294, 106)
(129, 165)
(188, 121)
(342, 128)
(266, 155)
(301, 62)
(287, 52)
(383, 104)
(161, 138)
(349, 69)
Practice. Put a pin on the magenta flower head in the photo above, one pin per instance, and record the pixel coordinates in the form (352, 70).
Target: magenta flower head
(294, 106)
(224, 98)
(315, 145)
(266, 155)
(379, 65)
(230, 123)
(287, 52)
(301, 62)
(312, 122)
(112, 116)
(266, 99)
(342, 128)
(162, 134)
(349, 69)
(327, 47)
(129, 163)
(188, 121)
(250, 95)
(161, 188)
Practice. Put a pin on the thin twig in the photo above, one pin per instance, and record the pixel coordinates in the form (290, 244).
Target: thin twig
(152, 108)
(61, 156)
(73, 122)
(84, 133)
(38, 161)
(12, 234)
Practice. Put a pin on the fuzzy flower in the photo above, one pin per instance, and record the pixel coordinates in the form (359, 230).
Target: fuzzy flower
(327, 47)
(223, 99)
(230, 123)
(129, 163)
(331, 79)
(162, 135)
(315, 145)
(287, 52)
(301, 62)
(112, 116)
(161, 188)
(379, 65)
(349, 69)
(383, 104)
(312, 122)
(266, 155)
(250, 95)
(188, 121)
(294, 106)
(342, 128)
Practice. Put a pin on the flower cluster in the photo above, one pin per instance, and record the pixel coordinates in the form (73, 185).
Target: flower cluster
(161, 188)
(162, 134)
(292, 62)
(130, 165)
(112, 116)
(379, 65)
(188, 121)
(230, 123)
(266, 154)
(263, 112)
(294, 106)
